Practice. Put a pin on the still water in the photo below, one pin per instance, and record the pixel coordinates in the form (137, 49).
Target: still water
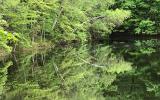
(119, 71)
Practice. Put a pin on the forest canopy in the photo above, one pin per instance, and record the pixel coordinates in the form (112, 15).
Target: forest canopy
(145, 16)
(55, 21)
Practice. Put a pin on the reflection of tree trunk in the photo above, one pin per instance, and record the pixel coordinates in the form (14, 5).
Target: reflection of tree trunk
(43, 59)
(33, 59)
(24, 73)
(36, 59)
(33, 38)
(59, 74)
(44, 36)
(132, 86)
(14, 48)
(32, 71)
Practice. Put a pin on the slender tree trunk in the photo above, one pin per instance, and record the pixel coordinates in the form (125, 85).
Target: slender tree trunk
(58, 15)
(32, 38)
(14, 48)
(44, 36)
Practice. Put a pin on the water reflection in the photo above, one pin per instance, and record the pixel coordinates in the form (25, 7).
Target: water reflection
(121, 71)
(143, 83)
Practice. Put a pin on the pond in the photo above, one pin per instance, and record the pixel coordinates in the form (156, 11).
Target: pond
(127, 70)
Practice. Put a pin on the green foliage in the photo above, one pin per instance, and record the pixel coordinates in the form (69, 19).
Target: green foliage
(37, 20)
(3, 75)
(3, 23)
(112, 19)
(5, 38)
(146, 47)
(145, 27)
(145, 16)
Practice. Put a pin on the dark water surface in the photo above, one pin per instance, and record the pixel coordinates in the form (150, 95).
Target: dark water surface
(119, 71)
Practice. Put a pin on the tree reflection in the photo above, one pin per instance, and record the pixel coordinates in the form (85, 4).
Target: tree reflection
(67, 73)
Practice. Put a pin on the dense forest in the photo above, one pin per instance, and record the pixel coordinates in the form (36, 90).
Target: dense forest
(32, 22)
(41, 21)
(79, 49)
